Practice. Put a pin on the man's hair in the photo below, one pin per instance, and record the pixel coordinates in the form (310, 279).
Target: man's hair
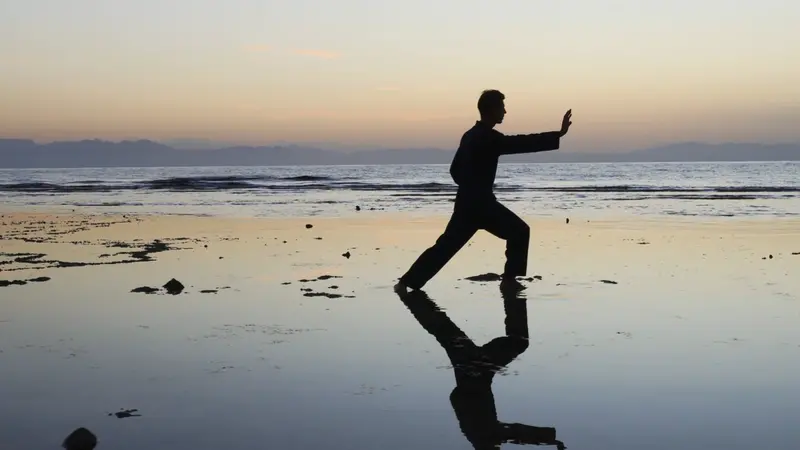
(490, 98)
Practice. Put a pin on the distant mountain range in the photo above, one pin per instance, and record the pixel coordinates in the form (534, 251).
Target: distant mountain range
(24, 153)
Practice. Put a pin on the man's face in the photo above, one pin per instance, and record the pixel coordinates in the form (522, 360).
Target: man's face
(499, 113)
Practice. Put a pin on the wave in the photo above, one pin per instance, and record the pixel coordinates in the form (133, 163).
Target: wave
(304, 183)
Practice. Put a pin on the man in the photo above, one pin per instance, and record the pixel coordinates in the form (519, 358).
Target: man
(473, 169)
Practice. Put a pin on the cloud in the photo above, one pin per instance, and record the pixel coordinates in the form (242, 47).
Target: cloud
(257, 48)
(324, 54)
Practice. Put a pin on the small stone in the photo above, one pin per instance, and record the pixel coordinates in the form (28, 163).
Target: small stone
(309, 226)
(80, 439)
(174, 287)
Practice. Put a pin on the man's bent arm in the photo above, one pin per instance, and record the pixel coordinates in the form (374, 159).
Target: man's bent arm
(529, 143)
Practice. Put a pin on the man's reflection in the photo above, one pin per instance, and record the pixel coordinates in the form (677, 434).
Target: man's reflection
(475, 368)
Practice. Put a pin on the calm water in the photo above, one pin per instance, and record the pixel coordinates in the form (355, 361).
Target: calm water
(682, 189)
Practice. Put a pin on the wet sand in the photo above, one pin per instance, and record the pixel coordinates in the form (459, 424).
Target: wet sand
(277, 340)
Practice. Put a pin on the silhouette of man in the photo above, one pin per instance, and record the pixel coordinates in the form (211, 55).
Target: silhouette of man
(474, 368)
(473, 169)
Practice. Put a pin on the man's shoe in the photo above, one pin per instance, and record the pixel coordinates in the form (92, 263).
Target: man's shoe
(511, 285)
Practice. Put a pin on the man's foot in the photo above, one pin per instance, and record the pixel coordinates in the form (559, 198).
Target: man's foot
(400, 288)
(511, 285)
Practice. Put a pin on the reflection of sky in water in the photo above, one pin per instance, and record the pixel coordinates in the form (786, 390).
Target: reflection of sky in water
(623, 367)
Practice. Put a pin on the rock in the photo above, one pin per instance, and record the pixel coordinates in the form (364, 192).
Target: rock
(535, 277)
(358, 208)
(608, 281)
(5, 283)
(145, 290)
(327, 277)
(567, 220)
(208, 291)
(80, 439)
(309, 226)
(485, 277)
(770, 256)
(39, 279)
(346, 254)
(173, 287)
(322, 294)
(125, 413)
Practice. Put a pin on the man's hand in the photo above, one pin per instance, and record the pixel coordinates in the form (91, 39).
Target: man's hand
(566, 122)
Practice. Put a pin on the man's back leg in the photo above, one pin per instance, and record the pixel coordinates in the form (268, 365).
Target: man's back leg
(458, 232)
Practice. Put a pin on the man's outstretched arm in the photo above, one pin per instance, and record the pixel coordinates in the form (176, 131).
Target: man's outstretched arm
(529, 143)
(536, 142)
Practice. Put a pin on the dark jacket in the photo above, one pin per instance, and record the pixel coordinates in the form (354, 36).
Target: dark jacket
(474, 165)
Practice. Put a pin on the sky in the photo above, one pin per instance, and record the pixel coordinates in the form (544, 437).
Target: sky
(400, 73)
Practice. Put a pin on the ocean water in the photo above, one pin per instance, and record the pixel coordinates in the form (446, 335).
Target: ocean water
(733, 189)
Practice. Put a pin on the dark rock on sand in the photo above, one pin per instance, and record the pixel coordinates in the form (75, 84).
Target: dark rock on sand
(286, 283)
(145, 290)
(208, 291)
(173, 287)
(358, 208)
(309, 226)
(485, 277)
(346, 255)
(125, 413)
(535, 277)
(6, 283)
(322, 294)
(567, 220)
(80, 439)
(319, 278)
(608, 281)
(39, 279)
(796, 253)
(326, 277)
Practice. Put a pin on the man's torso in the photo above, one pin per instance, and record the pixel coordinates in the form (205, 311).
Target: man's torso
(474, 165)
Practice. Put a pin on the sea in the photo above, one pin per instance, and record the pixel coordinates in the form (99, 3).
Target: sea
(692, 189)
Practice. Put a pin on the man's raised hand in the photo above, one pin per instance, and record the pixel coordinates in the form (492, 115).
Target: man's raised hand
(566, 122)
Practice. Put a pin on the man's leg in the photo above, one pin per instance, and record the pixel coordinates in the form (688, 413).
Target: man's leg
(459, 231)
(503, 223)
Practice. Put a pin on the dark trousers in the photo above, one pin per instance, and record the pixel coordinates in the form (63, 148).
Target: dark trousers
(468, 217)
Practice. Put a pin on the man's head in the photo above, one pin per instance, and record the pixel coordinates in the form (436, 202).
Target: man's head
(492, 107)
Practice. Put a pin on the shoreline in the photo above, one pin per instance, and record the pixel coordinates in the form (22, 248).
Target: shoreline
(410, 216)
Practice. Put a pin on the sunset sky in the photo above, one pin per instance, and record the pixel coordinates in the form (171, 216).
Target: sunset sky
(397, 73)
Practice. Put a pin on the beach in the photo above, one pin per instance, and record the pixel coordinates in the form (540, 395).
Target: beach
(644, 332)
